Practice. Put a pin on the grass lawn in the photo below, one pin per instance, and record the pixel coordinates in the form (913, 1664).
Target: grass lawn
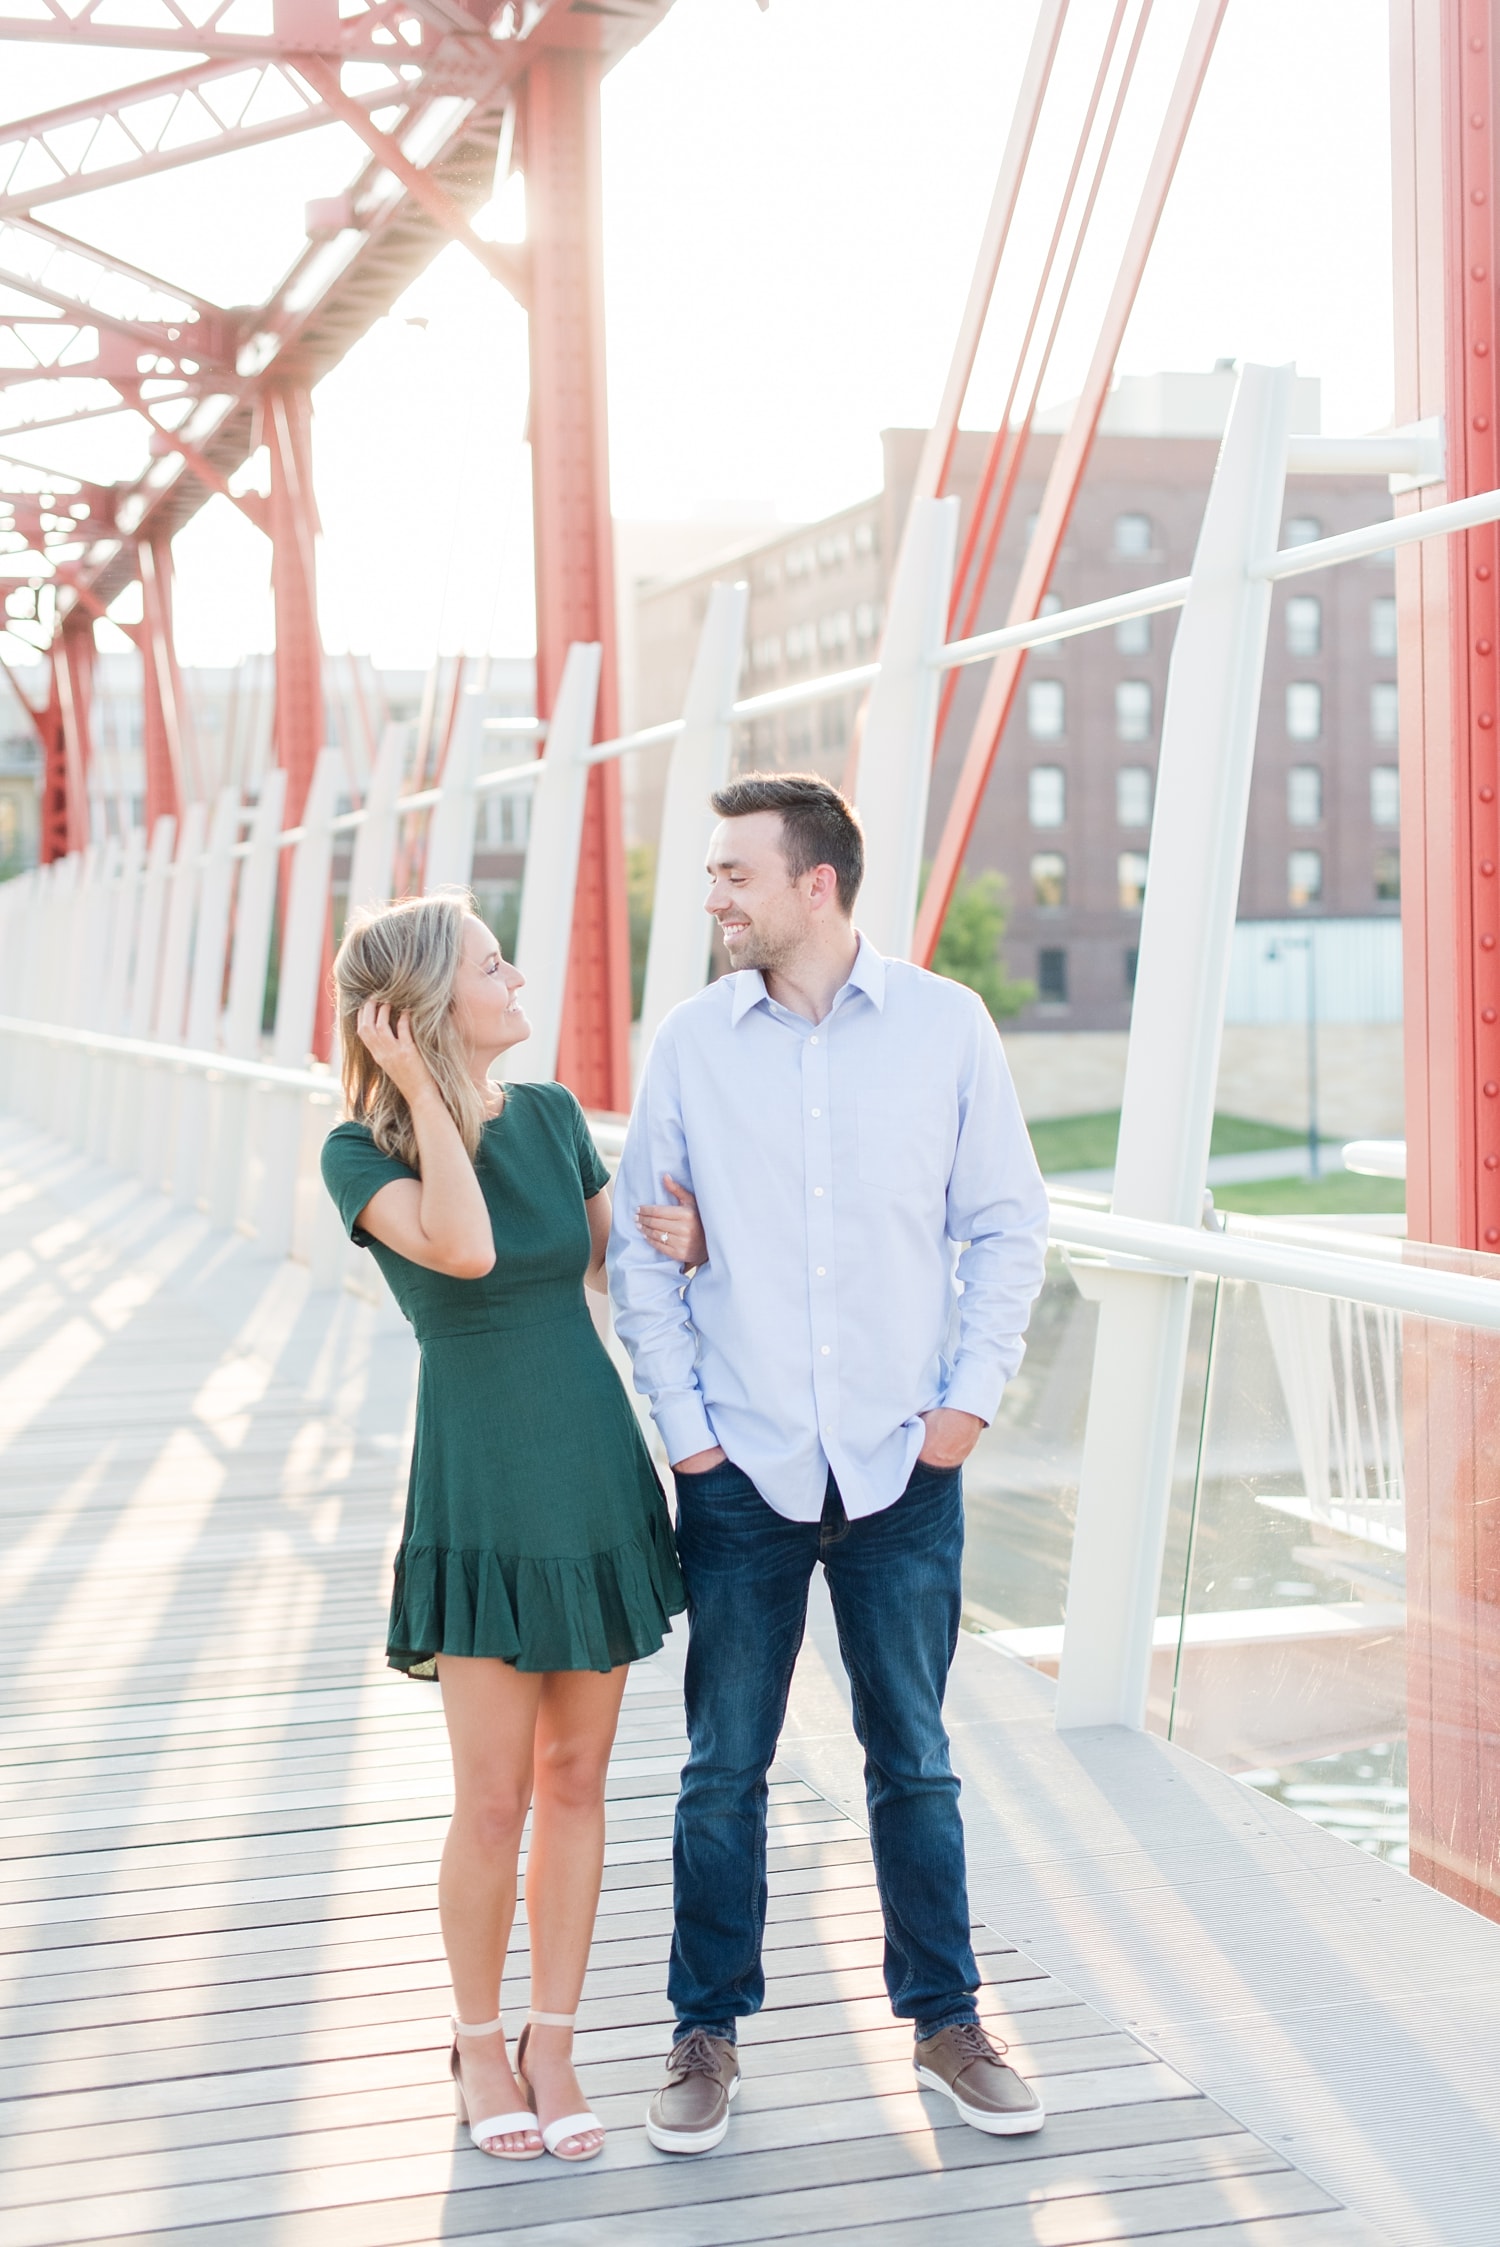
(1088, 1142)
(1339, 1194)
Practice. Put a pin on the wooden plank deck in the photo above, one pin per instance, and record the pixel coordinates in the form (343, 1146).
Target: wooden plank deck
(223, 1988)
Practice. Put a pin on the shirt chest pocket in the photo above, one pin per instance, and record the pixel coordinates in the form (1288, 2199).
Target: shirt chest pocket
(905, 1140)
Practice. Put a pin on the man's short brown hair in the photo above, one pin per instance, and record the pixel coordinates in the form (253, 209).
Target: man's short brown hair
(818, 828)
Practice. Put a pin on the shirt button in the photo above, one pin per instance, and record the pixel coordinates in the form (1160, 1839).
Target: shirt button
(822, 1271)
(819, 1192)
(812, 1041)
(825, 1349)
(817, 1111)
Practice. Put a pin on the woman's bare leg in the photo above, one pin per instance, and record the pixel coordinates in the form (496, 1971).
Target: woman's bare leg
(575, 1730)
(491, 1714)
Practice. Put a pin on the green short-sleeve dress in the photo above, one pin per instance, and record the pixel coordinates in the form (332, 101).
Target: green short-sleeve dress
(536, 1530)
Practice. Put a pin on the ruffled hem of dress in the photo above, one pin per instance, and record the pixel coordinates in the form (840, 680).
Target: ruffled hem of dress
(591, 1613)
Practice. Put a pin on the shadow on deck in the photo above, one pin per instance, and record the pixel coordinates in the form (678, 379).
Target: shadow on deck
(225, 2003)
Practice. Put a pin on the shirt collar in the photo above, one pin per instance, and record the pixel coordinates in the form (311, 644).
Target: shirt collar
(867, 975)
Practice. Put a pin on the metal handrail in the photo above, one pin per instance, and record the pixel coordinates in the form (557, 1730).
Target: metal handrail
(1130, 1243)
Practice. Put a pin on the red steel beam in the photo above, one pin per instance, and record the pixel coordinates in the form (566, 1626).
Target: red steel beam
(574, 541)
(1068, 465)
(1445, 83)
(291, 519)
(161, 692)
(73, 667)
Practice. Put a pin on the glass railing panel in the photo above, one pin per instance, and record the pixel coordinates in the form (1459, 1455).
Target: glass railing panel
(1021, 1480)
(1291, 1662)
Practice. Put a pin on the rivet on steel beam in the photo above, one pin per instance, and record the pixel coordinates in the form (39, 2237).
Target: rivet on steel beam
(1492, 1232)
(1481, 350)
(1486, 719)
(1483, 573)
(1488, 1014)
(1492, 1162)
(1491, 1089)
(1486, 866)
(1486, 794)
(1487, 942)
(1481, 421)
(1476, 194)
(1477, 273)
(1482, 647)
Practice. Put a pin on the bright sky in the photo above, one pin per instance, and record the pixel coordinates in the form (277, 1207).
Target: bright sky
(793, 202)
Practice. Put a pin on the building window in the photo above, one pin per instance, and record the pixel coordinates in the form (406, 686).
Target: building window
(1132, 959)
(1133, 710)
(1304, 877)
(835, 632)
(1301, 530)
(1052, 975)
(1133, 635)
(1385, 796)
(864, 538)
(801, 561)
(1304, 796)
(801, 642)
(1388, 877)
(1304, 624)
(1132, 534)
(1051, 603)
(1049, 880)
(1133, 795)
(770, 575)
(1304, 710)
(1384, 711)
(1047, 796)
(834, 725)
(1383, 624)
(1130, 869)
(766, 654)
(868, 618)
(1046, 710)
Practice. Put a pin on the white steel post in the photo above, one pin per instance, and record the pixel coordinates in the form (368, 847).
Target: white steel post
(297, 1002)
(450, 836)
(1187, 926)
(113, 1078)
(158, 1085)
(681, 932)
(546, 926)
(895, 752)
(255, 902)
(205, 996)
(128, 1137)
(372, 867)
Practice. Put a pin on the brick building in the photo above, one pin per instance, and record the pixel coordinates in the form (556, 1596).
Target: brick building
(1066, 819)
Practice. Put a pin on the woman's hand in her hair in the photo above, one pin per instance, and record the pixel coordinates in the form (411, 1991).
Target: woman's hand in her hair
(676, 1230)
(393, 1050)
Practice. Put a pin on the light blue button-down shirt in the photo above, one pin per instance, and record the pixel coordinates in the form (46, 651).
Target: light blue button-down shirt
(837, 1165)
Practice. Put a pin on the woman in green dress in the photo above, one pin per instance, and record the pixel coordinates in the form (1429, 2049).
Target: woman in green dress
(537, 1560)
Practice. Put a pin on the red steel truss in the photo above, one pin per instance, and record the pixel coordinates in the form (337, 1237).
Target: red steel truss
(433, 93)
(1446, 148)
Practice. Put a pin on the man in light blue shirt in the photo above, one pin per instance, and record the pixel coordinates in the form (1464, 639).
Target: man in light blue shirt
(875, 1229)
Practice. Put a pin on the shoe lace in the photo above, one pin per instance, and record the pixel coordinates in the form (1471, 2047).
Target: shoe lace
(695, 2055)
(976, 2043)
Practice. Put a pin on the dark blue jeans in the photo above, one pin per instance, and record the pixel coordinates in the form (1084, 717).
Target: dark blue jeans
(894, 1582)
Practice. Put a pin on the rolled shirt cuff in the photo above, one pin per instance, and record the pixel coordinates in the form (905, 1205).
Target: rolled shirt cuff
(683, 1426)
(977, 1388)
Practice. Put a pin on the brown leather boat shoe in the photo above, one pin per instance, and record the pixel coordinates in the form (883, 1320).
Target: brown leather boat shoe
(690, 2113)
(966, 2064)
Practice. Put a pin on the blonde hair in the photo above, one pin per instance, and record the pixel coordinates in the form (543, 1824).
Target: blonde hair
(407, 954)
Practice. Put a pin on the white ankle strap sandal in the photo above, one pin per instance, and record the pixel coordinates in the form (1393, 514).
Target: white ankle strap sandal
(555, 2134)
(523, 2123)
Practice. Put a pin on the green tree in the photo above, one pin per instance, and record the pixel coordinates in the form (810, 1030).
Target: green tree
(969, 948)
